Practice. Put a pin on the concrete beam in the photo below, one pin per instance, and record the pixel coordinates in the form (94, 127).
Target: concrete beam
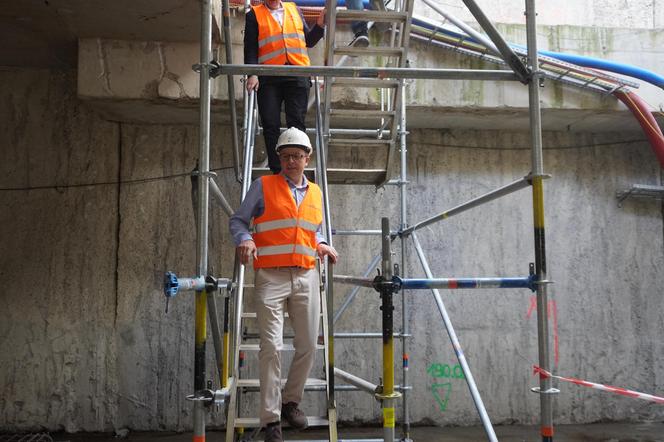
(143, 81)
(153, 82)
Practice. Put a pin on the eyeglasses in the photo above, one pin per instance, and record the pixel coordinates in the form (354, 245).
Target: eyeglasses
(285, 157)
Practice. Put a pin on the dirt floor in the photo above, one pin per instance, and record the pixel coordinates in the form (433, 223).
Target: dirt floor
(609, 432)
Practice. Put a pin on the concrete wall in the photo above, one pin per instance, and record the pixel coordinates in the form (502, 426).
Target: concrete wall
(85, 344)
(84, 340)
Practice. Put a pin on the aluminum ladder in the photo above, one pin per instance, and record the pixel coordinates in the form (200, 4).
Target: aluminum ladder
(239, 345)
(375, 128)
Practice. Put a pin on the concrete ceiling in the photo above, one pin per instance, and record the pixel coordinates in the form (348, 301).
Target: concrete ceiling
(44, 33)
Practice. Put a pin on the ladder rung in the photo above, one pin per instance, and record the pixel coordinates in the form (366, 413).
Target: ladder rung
(356, 176)
(257, 172)
(262, 171)
(364, 82)
(284, 347)
(359, 142)
(253, 422)
(311, 382)
(377, 16)
(249, 315)
(362, 113)
(369, 51)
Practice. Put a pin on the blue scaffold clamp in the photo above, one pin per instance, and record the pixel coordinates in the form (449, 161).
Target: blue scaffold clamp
(532, 282)
(171, 285)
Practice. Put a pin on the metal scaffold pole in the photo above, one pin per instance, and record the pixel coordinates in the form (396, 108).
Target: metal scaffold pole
(545, 390)
(387, 396)
(405, 329)
(235, 337)
(328, 267)
(368, 72)
(202, 227)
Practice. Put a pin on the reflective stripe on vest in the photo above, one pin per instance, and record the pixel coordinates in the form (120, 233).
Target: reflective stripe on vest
(289, 248)
(274, 38)
(285, 234)
(262, 59)
(281, 44)
(283, 223)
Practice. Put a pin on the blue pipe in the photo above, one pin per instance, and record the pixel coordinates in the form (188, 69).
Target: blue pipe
(448, 32)
(589, 62)
(611, 66)
(469, 283)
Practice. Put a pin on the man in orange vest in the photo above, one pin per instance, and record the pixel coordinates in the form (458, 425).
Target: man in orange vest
(287, 213)
(275, 33)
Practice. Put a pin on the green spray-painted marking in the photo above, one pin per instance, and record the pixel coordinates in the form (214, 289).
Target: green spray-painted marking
(441, 392)
(445, 371)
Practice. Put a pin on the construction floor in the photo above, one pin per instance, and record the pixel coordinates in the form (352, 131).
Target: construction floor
(609, 432)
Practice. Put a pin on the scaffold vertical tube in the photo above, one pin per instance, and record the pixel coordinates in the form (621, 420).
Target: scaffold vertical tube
(215, 332)
(387, 308)
(321, 167)
(546, 410)
(248, 142)
(405, 329)
(202, 227)
(330, 26)
(239, 270)
(229, 356)
(225, 343)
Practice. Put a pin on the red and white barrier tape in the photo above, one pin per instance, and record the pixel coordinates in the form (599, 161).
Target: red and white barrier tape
(629, 393)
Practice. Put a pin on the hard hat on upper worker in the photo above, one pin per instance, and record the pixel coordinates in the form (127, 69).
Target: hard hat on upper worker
(294, 137)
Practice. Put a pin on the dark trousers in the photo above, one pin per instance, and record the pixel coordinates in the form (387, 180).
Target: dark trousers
(272, 92)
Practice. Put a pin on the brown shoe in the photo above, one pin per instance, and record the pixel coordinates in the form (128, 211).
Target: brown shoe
(294, 416)
(273, 432)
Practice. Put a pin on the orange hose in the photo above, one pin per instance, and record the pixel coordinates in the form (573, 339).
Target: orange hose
(645, 118)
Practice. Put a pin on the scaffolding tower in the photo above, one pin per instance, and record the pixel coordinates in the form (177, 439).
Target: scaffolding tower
(392, 134)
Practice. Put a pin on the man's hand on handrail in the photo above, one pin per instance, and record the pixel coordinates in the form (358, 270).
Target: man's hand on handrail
(246, 251)
(324, 250)
(252, 83)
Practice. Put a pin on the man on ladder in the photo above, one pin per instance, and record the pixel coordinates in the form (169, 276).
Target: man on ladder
(275, 33)
(287, 213)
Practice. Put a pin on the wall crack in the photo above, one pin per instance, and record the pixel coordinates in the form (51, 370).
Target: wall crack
(104, 75)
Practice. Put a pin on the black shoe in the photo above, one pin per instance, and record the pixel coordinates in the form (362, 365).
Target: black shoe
(294, 416)
(361, 40)
(273, 432)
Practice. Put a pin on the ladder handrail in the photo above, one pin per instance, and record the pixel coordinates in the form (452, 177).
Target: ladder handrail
(238, 273)
(225, 7)
(249, 132)
(327, 268)
(249, 129)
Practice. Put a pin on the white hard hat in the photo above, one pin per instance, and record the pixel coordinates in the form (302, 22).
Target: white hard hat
(294, 137)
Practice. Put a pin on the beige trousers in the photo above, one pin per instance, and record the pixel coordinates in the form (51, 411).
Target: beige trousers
(297, 291)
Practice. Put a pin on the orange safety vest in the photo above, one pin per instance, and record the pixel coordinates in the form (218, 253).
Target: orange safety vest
(277, 45)
(285, 234)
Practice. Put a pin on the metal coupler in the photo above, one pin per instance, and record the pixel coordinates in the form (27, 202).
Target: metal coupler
(380, 284)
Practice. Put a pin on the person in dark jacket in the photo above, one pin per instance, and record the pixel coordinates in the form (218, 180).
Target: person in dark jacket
(275, 33)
